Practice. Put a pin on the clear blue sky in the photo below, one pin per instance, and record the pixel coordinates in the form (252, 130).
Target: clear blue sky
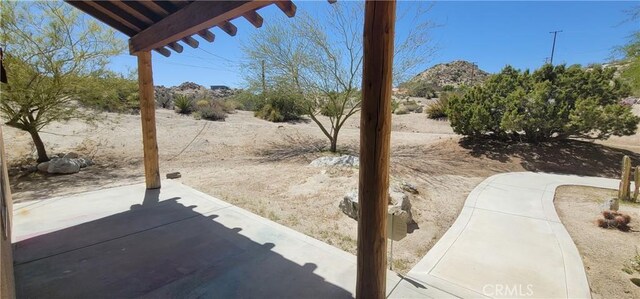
(491, 34)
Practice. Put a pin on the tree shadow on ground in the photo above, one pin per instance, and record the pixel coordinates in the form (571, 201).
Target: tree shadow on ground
(563, 157)
(161, 249)
(298, 148)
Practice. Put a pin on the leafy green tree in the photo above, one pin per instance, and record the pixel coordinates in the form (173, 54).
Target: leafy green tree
(321, 62)
(631, 56)
(51, 52)
(553, 102)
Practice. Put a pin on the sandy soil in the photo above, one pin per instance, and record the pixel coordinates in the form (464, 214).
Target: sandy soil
(263, 167)
(605, 252)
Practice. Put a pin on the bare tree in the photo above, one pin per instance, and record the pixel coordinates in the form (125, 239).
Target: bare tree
(322, 60)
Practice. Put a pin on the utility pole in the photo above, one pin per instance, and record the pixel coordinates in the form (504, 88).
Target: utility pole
(473, 69)
(553, 48)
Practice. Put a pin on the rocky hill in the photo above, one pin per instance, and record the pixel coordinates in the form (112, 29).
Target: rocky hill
(454, 73)
(164, 95)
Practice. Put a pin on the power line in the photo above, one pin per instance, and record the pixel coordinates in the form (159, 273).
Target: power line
(216, 55)
(553, 48)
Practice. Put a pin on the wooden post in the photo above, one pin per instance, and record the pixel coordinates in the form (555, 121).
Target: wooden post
(7, 281)
(375, 136)
(148, 117)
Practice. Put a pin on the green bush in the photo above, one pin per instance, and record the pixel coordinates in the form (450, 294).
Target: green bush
(247, 101)
(552, 102)
(111, 93)
(183, 104)
(279, 106)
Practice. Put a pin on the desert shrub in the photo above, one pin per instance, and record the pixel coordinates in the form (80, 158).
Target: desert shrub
(420, 89)
(634, 264)
(247, 101)
(401, 110)
(437, 109)
(410, 105)
(394, 105)
(202, 103)
(210, 110)
(281, 106)
(448, 88)
(551, 103)
(230, 105)
(183, 104)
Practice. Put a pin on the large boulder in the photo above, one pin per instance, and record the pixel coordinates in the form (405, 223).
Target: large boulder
(344, 160)
(43, 167)
(63, 166)
(349, 204)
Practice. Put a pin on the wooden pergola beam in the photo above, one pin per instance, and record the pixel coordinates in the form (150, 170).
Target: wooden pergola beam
(148, 118)
(176, 47)
(163, 51)
(100, 15)
(192, 42)
(287, 7)
(117, 14)
(375, 138)
(191, 19)
(207, 35)
(229, 28)
(254, 18)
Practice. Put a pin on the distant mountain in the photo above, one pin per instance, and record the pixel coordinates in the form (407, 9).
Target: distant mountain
(455, 73)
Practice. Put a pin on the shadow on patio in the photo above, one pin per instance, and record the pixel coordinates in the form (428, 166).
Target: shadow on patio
(163, 248)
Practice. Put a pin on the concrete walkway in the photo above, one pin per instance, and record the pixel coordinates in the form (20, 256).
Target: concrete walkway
(509, 242)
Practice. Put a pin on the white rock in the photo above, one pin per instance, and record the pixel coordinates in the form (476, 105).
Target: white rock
(611, 204)
(43, 167)
(63, 165)
(345, 160)
(399, 205)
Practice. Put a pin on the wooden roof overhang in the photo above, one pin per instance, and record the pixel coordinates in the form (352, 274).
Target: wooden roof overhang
(164, 25)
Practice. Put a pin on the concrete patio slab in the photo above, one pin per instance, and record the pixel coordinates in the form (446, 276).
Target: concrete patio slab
(508, 242)
(128, 242)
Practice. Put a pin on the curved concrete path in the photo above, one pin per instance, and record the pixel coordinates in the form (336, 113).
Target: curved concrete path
(509, 242)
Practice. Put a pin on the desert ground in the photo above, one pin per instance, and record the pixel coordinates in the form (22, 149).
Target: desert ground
(264, 167)
(604, 259)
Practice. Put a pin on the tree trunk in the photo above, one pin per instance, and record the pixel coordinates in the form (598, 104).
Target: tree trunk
(37, 141)
(334, 147)
(334, 141)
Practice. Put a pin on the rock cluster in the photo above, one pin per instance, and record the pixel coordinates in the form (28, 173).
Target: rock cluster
(399, 203)
(165, 95)
(344, 160)
(64, 164)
